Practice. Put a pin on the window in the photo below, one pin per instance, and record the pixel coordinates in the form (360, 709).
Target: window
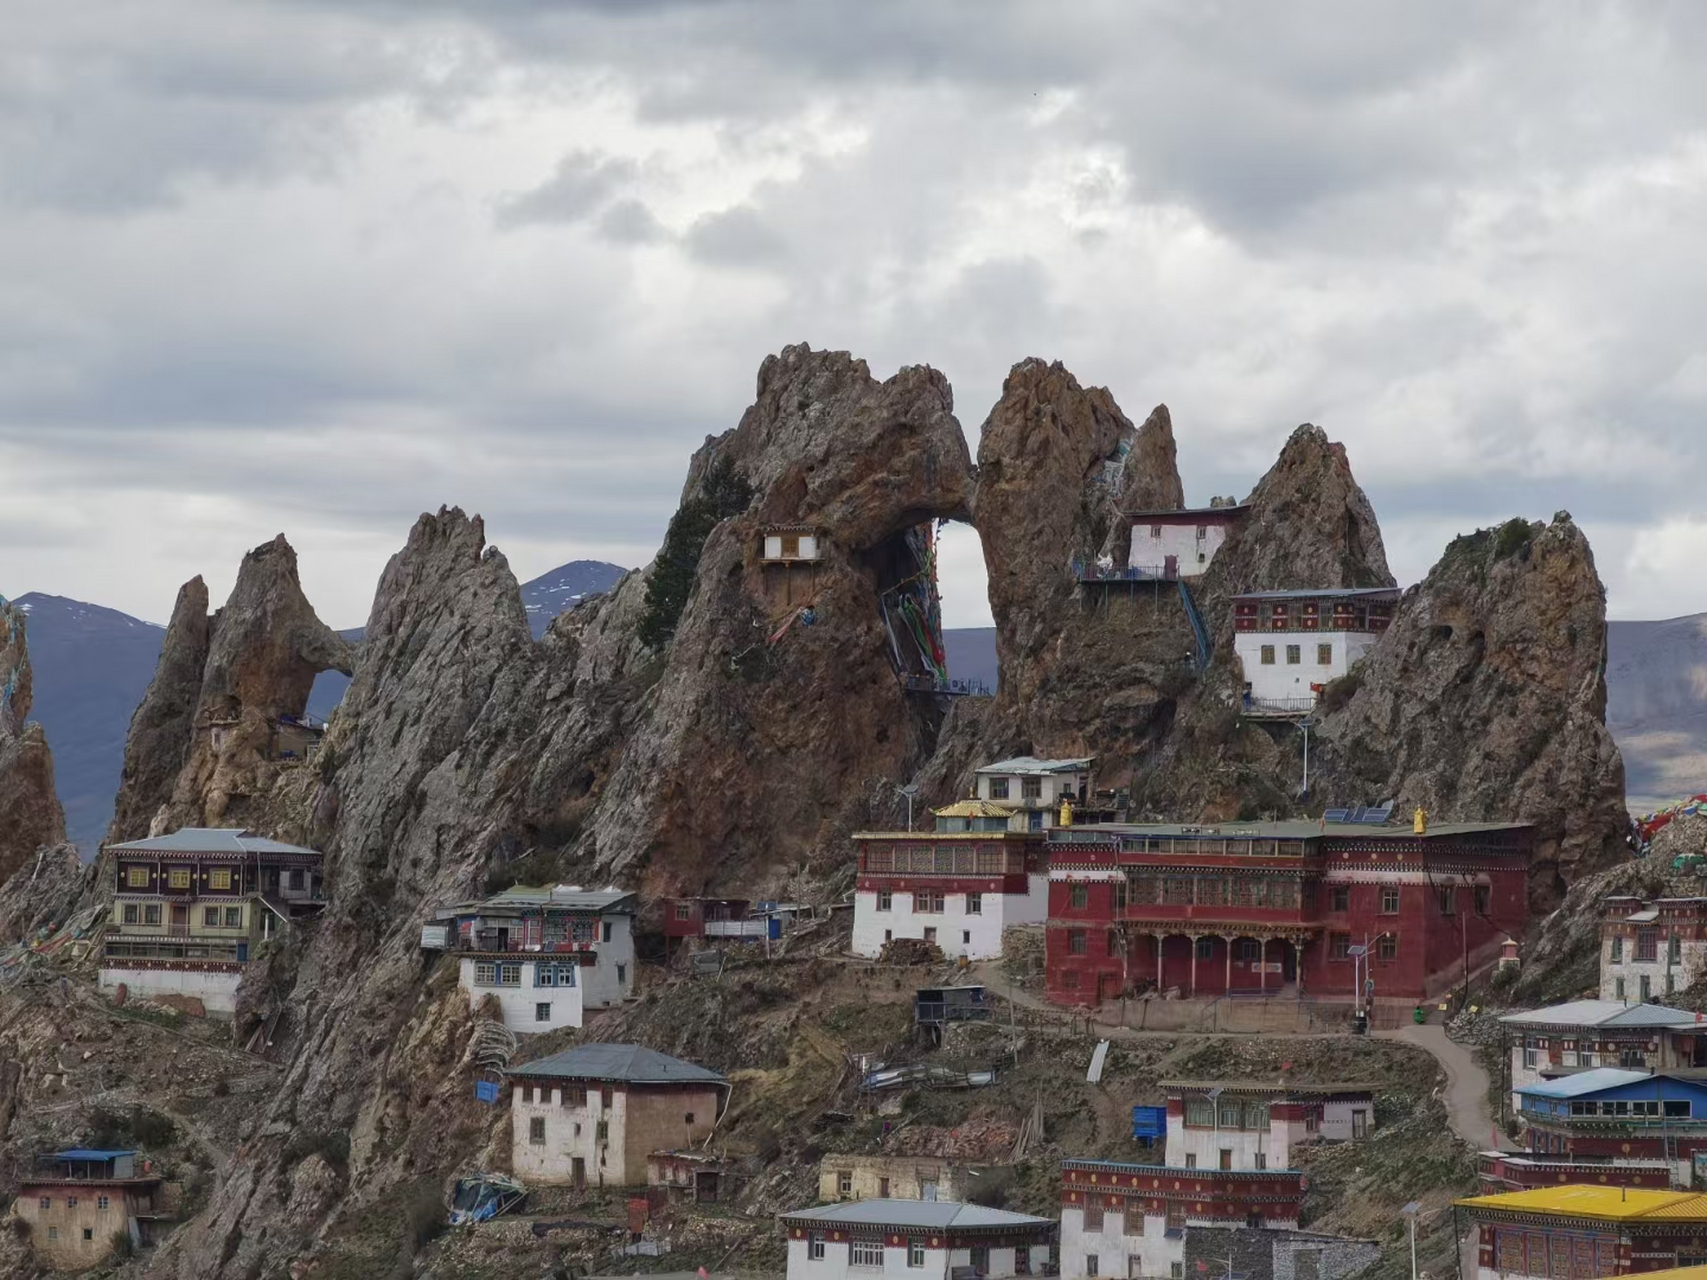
(998, 788)
(974, 904)
(88, 1233)
(210, 917)
(53, 1233)
(844, 1183)
(1674, 948)
(1091, 1264)
(1078, 896)
(815, 1246)
(151, 914)
(1324, 655)
(883, 1188)
(622, 973)
(234, 917)
(915, 1253)
(1093, 1215)
(1205, 948)
(542, 1011)
(928, 902)
(1227, 1114)
(1031, 788)
(687, 1118)
(1199, 1113)
(1262, 1159)
(178, 877)
(1268, 655)
(1617, 994)
(1339, 946)
(219, 878)
(885, 900)
(607, 930)
(866, 1253)
(1294, 655)
(1617, 946)
(1249, 950)
(1647, 945)
(791, 545)
(1339, 897)
(1226, 1157)
(1176, 1271)
(1390, 900)
(1191, 1159)
(1387, 949)
(1448, 900)
(132, 913)
(47, 1202)
(102, 1203)
(1482, 898)
(966, 937)
(1647, 988)
(684, 911)
(930, 933)
(136, 877)
(1076, 945)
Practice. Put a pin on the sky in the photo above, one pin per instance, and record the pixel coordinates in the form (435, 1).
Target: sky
(316, 266)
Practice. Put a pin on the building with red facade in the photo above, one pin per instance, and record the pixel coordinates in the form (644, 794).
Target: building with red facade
(1297, 908)
(1578, 1232)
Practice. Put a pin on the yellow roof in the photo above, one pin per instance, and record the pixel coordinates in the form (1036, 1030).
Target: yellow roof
(1616, 1204)
(1677, 1273)
(974, 809)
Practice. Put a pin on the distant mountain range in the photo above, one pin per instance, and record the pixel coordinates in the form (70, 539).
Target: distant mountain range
(92, 666)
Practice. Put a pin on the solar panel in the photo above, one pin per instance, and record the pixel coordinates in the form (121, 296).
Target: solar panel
(1357, 814)
(1335, 815)
(1377, 815)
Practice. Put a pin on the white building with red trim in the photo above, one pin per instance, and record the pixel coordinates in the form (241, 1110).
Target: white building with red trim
(1253, 1125)
(1291, 643)
(1180, 543)
(914, 1240)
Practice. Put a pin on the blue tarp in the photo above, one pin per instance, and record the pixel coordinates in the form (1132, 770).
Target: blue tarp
(1149, 1123)
(486, 1090)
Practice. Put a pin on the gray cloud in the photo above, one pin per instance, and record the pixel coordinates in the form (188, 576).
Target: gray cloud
(322, 264)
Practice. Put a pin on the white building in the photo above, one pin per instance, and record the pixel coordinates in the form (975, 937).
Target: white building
(1291, 643)
(1121, 1219)
(1035, 788)
(1248, 1125)
(1651, 949)
(1180, 544)
(914, 1240)
(788, 543)
(547, 954)
(592, 1115)
(956, 889)
(1584, 1034)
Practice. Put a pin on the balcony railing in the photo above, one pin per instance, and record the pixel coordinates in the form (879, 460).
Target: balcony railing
(492, 943)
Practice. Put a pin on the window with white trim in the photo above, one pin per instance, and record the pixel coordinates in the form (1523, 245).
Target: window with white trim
(866, 1253)
(815, 1246)
(915, 1253)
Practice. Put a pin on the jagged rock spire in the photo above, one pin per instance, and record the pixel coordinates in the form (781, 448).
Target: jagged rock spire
(30, 814)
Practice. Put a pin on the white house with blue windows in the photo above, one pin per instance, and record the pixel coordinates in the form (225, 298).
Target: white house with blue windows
(546, 955)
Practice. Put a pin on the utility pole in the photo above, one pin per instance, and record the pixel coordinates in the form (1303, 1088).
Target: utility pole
(910, 790)
(1410, 1211)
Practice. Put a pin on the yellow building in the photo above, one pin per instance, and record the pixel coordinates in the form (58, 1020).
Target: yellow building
(77, 1204)
(1579, 1232)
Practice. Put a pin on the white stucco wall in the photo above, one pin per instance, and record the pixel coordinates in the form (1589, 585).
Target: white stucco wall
(1205, 1146)
(1115, 1246)
(570, 1132)
(1283, 679)
(216, 991)
(1339, 1121)
(834, 1265)
(1195, 554)
(1691, 964)
(958, 932)
(520, 1003)
(611, 980)
(808, 547)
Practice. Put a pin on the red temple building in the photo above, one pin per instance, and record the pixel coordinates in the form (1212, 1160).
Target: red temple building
(1296, 908)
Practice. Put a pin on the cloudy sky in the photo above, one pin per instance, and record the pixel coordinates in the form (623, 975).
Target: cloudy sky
(318, 265)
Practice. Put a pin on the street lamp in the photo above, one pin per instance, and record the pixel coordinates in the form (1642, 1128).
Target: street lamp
(1410, 1211)
(910, 790)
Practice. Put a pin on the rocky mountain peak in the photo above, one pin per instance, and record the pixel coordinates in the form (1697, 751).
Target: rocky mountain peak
(207, 729)
(1486, 699)
(1309, 524)
(32, 814)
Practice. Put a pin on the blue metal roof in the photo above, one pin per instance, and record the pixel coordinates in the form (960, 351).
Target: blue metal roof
(89, 1153)
(1584, 1082)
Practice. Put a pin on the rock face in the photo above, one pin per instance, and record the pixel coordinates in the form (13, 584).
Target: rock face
(218, 696)
(30, 814)
(1487, 699)
(1148, 481)
(764, 735)
(161, 729)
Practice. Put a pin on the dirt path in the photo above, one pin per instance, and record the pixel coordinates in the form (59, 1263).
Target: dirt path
(1467, 1107)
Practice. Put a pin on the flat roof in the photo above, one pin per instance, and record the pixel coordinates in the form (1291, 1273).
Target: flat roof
(1619, 1204)
(1031, 764)
(1317, 593)
(1180, 513)
(1292, 829)
(1602, 1013)
(1585, 1082)
(936, 1215)
(569, 897)
(633, 1063)
(1265, 1086)
(231, 840)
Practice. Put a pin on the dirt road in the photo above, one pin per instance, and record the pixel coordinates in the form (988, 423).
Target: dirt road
(1467, 1107)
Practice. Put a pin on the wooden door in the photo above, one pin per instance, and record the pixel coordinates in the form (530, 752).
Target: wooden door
(578, 1172)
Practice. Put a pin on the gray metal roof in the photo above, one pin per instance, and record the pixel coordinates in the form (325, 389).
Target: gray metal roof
(1317, 593)
(561, 895)
(934, 1215)
(1297, 829)
(630, 1062)
(1279, 1089)
(1584, 1082)
(1031, 764)
(1180, 513)
(1601, 1013)
(232, 840)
